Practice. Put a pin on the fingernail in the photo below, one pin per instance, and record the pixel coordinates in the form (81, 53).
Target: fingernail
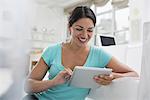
(101, 76)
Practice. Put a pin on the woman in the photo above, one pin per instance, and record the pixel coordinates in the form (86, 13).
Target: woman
(62, 58)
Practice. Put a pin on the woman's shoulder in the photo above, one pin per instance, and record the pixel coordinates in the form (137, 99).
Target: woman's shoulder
(96, 48)
(51, 50)
(53, 46)
(99, 50)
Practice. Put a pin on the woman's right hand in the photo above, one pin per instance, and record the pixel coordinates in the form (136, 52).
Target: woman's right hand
(62, 76)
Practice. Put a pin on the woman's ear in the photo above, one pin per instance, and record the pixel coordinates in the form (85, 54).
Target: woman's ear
(69, 34)
(70, 30)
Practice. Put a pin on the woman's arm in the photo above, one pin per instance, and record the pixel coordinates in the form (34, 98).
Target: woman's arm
(120, 69)
(35, 83)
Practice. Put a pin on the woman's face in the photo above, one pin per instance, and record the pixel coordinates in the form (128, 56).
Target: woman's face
(82, 31)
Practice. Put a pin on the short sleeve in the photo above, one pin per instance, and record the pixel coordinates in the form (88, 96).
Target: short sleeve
(49, 54)
(104, 57)
(99, 57)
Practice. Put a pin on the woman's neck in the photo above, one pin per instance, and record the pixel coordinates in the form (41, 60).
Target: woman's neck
(75, 48)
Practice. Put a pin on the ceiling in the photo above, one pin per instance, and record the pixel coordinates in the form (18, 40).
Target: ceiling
(61, 3)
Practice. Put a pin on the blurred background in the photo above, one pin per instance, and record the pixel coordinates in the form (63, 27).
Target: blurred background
(29, 26)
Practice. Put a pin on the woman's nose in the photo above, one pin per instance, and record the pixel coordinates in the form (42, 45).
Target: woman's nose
(84, 33)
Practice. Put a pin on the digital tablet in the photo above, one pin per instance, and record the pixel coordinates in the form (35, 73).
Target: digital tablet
(83, 76)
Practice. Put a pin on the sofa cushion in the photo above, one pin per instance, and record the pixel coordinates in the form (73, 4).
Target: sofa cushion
(119, 89)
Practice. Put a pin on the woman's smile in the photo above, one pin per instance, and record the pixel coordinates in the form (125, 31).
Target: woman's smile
(82, 39)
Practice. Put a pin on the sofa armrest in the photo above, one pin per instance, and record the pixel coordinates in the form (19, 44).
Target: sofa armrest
(119, 89)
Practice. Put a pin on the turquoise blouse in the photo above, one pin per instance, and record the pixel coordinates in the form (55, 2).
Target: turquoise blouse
(52, 56)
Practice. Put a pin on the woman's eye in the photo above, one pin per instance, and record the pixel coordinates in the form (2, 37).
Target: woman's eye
(90, 30)
(79, 29)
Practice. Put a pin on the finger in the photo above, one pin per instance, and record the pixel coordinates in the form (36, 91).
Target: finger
(105, 83)
(106, 77)
(67, 74)
(100, 80)
(69, 71)
(110, 77)
(67, 77)
(100, 76)
(63, 73)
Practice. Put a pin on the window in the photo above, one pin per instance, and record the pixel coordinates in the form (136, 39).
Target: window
(122, 25)
(113, 21)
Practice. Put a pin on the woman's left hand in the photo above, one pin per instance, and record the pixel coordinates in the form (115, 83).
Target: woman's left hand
(104, 79)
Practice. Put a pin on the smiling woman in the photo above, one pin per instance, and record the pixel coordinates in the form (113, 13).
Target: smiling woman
(82, 31)
(60, 60)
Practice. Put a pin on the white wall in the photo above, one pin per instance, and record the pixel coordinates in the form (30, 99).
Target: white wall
(12, 17)
(134, 57)
(145, 10)
(53, 20)
(144, 90)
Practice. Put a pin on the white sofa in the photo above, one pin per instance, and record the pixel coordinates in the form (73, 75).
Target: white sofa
(120, 89)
